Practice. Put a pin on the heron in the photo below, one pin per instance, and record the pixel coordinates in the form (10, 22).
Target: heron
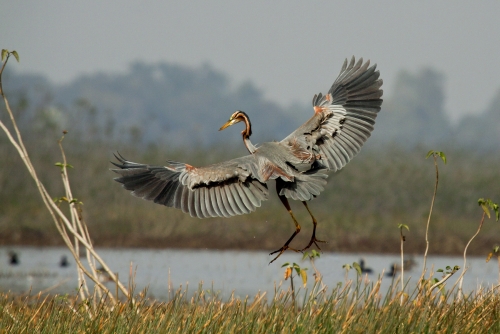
(343, 120)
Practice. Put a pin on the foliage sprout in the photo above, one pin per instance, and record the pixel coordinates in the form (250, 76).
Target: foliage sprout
(486, 205)
(289, 269)
(495, 252)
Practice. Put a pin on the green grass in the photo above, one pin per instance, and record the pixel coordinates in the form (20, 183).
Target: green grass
(358, 212)
(355, 307)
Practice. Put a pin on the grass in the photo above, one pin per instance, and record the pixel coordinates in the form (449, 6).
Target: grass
(356, 307)
(360, 207)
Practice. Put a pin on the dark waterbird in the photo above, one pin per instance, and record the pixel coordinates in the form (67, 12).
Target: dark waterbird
(64, 261)
(13, 258)
(408, 264)
(364, 269)
(343, 120)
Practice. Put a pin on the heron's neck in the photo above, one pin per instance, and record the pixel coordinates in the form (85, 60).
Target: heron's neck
(250, 147)
(246, 135)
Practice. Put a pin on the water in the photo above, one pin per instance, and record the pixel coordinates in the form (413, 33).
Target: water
(242, 272)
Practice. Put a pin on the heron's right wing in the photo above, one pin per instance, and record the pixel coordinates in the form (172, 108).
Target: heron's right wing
(344, 117)
(221, 190)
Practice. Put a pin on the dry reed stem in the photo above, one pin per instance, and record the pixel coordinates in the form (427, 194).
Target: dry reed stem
(76, 226)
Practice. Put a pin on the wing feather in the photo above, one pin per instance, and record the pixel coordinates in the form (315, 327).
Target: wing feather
(200, 200)
(250, 195)
(220, 203)
(238, 200)
(191, 203)
(227, 202)
(213, 199)
(208, 203)
(184, 199)
(244, 198)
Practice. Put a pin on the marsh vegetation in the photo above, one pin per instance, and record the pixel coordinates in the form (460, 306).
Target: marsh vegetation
(379, 192)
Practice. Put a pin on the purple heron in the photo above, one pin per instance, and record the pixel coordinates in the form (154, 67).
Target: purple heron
(343, 120)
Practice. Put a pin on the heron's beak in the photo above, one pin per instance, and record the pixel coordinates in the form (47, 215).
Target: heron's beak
(229, 123)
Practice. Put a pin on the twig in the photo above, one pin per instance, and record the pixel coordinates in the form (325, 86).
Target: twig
(444, 279)
(461, 279)
(430, 214)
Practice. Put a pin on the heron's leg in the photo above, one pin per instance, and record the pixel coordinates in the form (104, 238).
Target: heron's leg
(313, 237)
(280, 251)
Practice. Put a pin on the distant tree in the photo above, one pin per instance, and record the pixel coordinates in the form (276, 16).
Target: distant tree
(415, 112)
(482, 131)
(174, 104)
(178, 106)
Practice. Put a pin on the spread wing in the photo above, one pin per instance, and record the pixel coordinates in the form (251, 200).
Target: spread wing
(221, 190)
(344, 117)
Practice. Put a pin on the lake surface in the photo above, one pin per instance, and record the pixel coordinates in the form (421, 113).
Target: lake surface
(242, 272)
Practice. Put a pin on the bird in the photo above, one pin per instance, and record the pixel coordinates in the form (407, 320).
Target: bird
(13, 258)
(393, 271)
(343, 120)
(64, 261)
(363, 268)
(396, 267)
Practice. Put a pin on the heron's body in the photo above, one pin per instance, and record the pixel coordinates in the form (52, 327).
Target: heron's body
(343, 120)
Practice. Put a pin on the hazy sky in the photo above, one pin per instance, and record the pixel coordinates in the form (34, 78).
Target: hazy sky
(289, 49)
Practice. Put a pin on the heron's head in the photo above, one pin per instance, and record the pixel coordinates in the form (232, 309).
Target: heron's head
(236, 117)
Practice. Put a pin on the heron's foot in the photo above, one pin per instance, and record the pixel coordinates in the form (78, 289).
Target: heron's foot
(281, 251)
(313, 241)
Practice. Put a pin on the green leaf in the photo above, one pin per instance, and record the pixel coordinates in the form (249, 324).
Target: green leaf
(297, 270)
(75, 200)
(438, 153)
(439, 270)
(60, 164)
(357, 267)
(14, 53)
(443, 156)
(487, 204)
(285, 264)
(315, 253)
(303, 275)
(4, 54)
(403, 226)
(485, 209)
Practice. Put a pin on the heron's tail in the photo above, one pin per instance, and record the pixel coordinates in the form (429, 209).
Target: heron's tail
(306, 186)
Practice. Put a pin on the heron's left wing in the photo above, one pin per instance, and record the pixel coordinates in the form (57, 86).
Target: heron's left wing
(344, 117)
